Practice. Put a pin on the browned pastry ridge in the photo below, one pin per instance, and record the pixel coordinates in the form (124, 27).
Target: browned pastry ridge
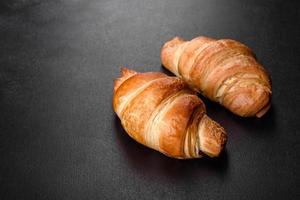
(162, 113)
(225, 71)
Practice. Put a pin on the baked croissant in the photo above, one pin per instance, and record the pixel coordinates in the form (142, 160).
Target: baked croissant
(162, 113)
(225, 71)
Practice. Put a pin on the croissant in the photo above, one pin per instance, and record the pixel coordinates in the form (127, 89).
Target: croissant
(225, 71)
(162, 113)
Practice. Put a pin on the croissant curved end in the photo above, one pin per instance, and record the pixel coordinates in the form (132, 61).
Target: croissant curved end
(264, 110)
(168, 53)
(248, 102)
(174, 41)
(125, 74)
(212, 137)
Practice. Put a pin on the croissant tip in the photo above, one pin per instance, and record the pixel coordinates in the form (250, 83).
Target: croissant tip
(173, 42)
(263, 111)
(125, 71)
(213, 137)
(125, 74)
(177, 39)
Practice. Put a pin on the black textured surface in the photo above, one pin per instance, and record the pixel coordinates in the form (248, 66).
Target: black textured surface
(59, 137)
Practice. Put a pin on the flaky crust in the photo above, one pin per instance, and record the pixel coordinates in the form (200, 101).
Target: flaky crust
(225, 71)
(161, 112)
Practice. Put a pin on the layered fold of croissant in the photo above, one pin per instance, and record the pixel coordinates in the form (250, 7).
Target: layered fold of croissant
(225, 71)
(160, 112)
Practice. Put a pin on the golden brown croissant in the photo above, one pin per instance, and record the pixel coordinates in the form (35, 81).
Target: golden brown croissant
(162, 113)
(225, 71)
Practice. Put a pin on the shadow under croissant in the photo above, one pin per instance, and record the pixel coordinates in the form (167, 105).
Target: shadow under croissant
(264, 125)
(164, 70)
(144, 159)
(235, 125)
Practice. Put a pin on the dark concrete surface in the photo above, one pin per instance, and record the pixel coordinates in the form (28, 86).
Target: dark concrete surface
(60, 139)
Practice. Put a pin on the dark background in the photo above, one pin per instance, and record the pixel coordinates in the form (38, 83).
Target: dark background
(60, 139)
